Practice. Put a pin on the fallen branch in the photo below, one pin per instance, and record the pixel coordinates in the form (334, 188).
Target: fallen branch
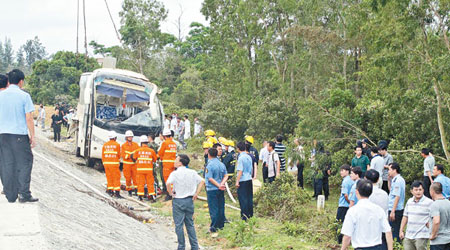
(414, 151)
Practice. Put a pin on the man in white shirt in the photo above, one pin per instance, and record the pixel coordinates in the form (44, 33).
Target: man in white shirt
(41, 117)
(174, 123)
(187, 127)
(197, 127)
(187, 184)
(378, 196)
(273, 163)
(167, 119)
(263, 157)
(365, 222)
(377, 163)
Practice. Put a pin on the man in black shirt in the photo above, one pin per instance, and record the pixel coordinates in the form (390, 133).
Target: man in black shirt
(280, 149)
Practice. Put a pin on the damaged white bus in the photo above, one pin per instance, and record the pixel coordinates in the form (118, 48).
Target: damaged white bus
(119, 100)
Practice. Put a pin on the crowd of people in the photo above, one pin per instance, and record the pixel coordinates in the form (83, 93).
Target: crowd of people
(372, 203)
(372, 206)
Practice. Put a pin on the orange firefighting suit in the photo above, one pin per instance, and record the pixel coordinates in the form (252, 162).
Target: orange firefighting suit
(168, 153)
(145, 157)
(129, 167)
(111, 162)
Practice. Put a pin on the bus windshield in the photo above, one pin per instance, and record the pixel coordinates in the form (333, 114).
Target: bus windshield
(120, 105)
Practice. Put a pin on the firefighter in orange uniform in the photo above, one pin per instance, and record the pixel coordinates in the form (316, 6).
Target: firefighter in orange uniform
(167, 153)
(145, 157)
(111, 162)
(129, 167)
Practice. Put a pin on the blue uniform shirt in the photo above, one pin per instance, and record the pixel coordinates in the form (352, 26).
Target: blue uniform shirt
(353, 193)
(216, 170)
(445, 182)
(397, 189)
(14, 104)
(345, 189)
(245, 164)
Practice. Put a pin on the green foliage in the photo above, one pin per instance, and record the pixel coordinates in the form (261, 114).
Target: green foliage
(282, 199)
(241, 233)
(56, 80)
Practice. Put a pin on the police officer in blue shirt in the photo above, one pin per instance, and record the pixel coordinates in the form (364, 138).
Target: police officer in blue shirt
(215, 178)
(396, 199)
(16, 139)
(438, 173)
(244, 182)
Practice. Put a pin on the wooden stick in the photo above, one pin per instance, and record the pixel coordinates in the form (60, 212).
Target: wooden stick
(232, 207)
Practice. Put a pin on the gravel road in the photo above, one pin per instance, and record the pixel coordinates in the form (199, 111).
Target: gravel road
(71, 219)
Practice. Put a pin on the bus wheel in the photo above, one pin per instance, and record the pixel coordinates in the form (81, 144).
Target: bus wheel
(98, 165)
(90, 162)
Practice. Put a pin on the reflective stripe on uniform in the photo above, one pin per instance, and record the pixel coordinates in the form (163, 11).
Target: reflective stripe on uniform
(143, 169)
(170, 151)
(117, 188)
(110, 152)
(140, 193)
(145, 159)
(151, 193)
(128, 162)
(111, 163)
(168, 161)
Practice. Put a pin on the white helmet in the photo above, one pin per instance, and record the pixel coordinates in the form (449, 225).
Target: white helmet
(129, 133)
(143, 138)
(167, 132)
(112, 134)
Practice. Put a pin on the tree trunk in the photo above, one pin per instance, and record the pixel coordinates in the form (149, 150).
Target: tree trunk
(440, 122)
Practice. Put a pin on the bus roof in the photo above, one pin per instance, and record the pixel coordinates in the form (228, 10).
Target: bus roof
(121, 72)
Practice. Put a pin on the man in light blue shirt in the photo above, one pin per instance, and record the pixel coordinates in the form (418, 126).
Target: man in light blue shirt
(215, 177)
(244, 182)
(16, 139)
(396, 199)
(438, 173)
(355, 175)
(343, 205)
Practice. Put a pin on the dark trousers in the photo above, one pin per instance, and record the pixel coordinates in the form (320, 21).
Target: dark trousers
(385, 186)
(440, 247)
(216, 204)
(300, 174)
(245, 195)
(57, 133)
(321, 184)
(17, 162)
(265, 172)
(426, 186)
(340, 216)
(396, 224)
(378, 247)
(183, 212)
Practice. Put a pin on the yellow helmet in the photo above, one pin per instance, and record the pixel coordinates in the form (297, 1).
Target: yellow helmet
(210, 132)
(250, 139)
(206, 144)
(212, 140)
(229, 143)
(222, 140)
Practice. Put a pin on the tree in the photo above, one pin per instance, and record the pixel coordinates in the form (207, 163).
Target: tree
(20, 60)
(140, 28)
(34, 51)
(58, 77)
(7, 55)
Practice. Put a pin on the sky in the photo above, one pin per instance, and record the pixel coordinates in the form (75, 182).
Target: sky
(55, 21)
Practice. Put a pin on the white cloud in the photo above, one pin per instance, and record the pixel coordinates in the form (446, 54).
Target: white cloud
(55, 21)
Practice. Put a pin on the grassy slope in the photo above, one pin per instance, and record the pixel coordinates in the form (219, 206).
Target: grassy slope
(264, 233)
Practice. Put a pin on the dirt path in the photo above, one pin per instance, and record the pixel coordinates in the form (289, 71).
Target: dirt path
(71, 219)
